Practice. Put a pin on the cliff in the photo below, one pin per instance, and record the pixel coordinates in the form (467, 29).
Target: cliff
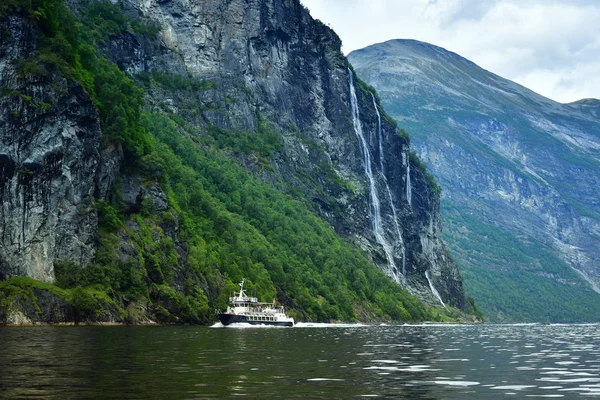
(271, 61)
(266, 85)
(49, 158)
(519, 174)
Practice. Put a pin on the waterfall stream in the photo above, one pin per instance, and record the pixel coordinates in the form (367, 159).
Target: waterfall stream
(379, 135)
(434, 290)
(408, 185)
(375, 209)
(389, 192)
(375, 206)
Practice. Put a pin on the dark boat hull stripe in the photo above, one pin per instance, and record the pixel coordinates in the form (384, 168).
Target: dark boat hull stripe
(227, 319)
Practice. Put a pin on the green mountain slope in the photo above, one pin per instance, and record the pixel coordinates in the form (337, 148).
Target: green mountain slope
(192, 207)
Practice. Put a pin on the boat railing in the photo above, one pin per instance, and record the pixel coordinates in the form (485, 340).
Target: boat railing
(238, 299)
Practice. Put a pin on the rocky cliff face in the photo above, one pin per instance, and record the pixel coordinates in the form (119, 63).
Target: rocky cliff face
(49, 157)
(267, 62)
(519, 173)
(270, 61)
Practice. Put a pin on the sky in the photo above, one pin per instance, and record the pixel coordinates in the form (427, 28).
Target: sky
(550, 46)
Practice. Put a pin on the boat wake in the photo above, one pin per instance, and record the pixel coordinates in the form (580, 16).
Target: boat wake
(326, 325)
(242, 325)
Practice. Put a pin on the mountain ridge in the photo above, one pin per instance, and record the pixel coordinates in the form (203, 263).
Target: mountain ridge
(515, 166)
(387, 46)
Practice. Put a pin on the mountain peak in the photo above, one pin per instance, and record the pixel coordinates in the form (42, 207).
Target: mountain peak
(412, 48)
(589, 102)
(587, 106)
(442, 71)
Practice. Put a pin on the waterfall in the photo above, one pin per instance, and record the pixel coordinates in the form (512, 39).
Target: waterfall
(403, 258)
(379, 135)
(375, 208)
(408, 186)
(389, 192)
(434, 290)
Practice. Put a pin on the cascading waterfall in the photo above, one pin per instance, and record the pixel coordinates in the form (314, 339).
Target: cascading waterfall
(379, 135)
(389, 192)
(434, 290)
(375, 204)
(408, 186)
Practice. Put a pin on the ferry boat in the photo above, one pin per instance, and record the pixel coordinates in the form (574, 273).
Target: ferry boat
(245, 309)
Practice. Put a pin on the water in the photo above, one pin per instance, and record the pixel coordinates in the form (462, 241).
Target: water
(375, 203)
(408, 185)
(434, 290)
(387, 186)
(379, 137)
(305, 362)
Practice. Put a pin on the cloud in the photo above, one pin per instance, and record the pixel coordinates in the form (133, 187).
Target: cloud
(550, 46)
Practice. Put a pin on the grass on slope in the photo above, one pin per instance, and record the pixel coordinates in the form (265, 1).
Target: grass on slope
(516, 279)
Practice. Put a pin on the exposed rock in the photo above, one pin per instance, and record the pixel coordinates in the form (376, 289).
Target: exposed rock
(108, 170)
(49, 138)
(157, 197)
(266, 60)
(17, 318)
(134, 192)
(131, 191)
(269, 60)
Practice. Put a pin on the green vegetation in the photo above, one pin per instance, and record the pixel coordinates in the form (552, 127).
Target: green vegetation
(417, 162)
(222, 224)
(251, 230)
(403, 134)
(102, 18)
(67, 49)
(86, 304)
(533, 286)
(261, 143)
(578, 206)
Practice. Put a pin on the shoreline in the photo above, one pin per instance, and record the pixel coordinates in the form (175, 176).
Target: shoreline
(79, 324)
(308, 324)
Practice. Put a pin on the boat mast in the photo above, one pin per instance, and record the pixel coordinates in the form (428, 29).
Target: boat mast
(242, 288)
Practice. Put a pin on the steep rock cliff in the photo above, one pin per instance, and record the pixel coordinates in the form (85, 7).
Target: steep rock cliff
(49, 158)
(259, 66)
(270, 61)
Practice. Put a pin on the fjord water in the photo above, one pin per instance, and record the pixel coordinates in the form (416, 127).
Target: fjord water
(309, 362)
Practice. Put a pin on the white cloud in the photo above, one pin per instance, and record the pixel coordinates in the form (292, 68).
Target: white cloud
(550, 46)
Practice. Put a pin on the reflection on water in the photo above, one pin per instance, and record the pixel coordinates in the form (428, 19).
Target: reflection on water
(308, 361)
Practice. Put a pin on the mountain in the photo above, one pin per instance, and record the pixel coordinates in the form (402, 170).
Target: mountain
(519, 174)
(155, 153)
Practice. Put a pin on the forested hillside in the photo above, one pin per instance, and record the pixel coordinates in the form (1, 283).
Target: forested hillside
(184, 210)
